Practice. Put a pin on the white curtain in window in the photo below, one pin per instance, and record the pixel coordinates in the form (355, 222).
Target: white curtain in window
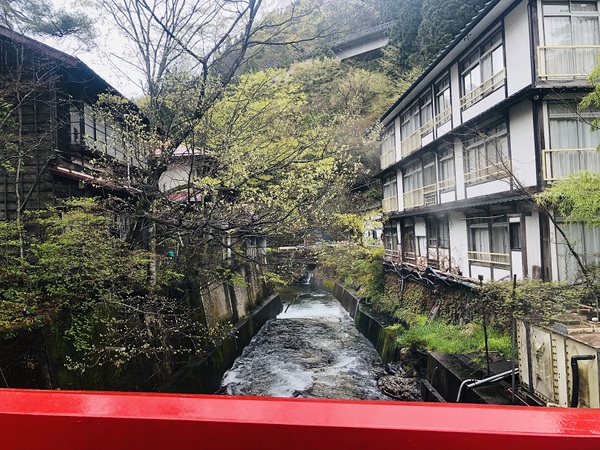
(571, 133)
(500, 241)
(480, 238)
(585, 32)
(558, 33)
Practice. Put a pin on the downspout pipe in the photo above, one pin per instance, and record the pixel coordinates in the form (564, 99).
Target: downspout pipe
(473, 383)
(575, 371)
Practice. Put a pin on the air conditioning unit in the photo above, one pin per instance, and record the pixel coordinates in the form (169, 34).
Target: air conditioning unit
(559, 366)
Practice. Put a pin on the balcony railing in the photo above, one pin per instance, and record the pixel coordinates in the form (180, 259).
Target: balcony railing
(567, 61)
(411, 143)
(446, 185)
(424, 196)
(492, 172)
(388, 158)
(427, 128)
(443, 117)
(502, 259)
(485, 88)
(391, 253)
(559, 163)
(390, 204)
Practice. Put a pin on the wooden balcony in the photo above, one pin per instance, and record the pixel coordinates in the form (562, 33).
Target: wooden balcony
(424, 196)
(446, 185)
(388, 158)
(485, 88)
(390, 204)
(494, 171)
(391, 254)
(567, 61)
(502, 259)
(560, 163)
(443, 117)
(411, 143)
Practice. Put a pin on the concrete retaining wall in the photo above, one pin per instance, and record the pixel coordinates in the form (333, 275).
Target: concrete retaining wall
(371, 324)
(204, 376)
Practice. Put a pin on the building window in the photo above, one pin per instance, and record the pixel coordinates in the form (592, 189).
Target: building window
(390, 194)
(486, 155)
(413, 185)
(489, 244)
(515, 236)
(572, 142)
(482, 72)
(409, 130)
(390, 241)
(388, 147)
(443, 103)
(571, 37)
(426, 114)
(438, 232)
(446, 170)
(408, 240)
(586, 242)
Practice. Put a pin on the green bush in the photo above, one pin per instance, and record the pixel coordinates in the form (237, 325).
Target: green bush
(440, 336)
(355, 267)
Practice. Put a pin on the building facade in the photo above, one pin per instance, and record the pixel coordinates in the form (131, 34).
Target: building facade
(54, 143)
(491, 121)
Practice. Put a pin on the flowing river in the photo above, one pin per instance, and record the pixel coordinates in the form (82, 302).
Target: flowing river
(312, 349)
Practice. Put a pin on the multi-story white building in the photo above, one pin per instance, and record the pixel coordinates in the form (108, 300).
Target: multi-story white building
(492, 120)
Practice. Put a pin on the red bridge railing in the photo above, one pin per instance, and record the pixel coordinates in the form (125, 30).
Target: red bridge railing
(65, 420)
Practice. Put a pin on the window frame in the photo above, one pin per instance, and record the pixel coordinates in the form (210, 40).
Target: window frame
(474, 65)
(485, 145)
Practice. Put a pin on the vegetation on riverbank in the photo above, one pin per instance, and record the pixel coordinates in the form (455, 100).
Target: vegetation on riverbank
(448, 317)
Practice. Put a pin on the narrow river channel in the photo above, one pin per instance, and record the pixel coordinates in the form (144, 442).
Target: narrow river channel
(312, 349)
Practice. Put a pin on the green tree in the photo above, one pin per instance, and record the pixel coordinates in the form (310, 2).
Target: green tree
(40, 17)
(442, 21)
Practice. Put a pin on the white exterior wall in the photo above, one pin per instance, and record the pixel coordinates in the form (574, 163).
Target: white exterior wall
(490, 187)
(459, 242)
(484, 104)
(400, 190)
(518, 49)
(534, 247)
(455, 95)
(459, 169)
(447, 197)
(522, 143)
(176, 175)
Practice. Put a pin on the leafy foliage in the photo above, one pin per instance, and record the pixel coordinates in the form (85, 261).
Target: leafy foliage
(440, 336)
(75, 272)
(576, 198)
(354, 266)
(42, 18)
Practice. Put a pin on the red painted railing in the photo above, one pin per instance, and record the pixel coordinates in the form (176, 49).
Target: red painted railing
(65, 420)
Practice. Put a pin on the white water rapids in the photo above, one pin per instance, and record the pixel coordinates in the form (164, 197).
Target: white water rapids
(311, 350)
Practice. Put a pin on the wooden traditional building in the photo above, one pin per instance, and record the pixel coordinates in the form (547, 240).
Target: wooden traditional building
(52, 135)
(491, 121)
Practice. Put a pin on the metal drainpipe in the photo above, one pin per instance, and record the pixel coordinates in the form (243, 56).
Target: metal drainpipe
(471, 383)
(575, 370)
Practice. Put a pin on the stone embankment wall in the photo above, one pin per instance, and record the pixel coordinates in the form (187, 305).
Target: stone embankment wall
(370, 323)
(227, 302)
(204, 376)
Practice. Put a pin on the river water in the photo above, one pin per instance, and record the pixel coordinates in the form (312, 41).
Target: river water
(312, 349)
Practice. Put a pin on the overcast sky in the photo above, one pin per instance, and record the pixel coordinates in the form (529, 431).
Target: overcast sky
(105, 57)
